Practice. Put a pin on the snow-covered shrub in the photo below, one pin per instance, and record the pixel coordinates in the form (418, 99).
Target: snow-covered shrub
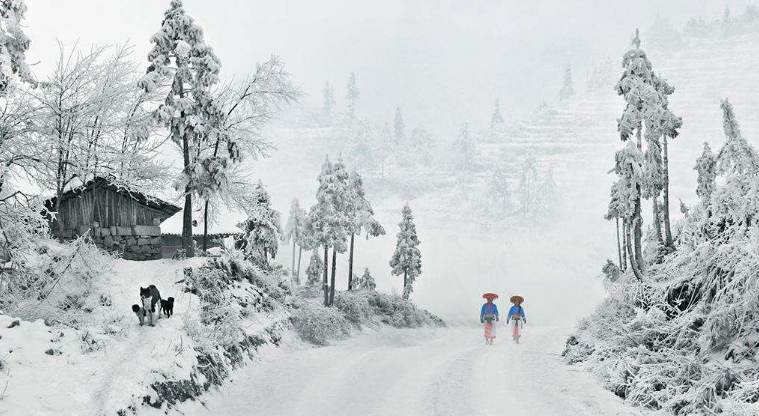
(355, 306)
(216, 322)
(686, 339)
(317, 323)
(364, 307)
(55, 283)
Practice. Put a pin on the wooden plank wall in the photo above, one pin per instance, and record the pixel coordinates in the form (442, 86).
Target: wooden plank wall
(107, 207)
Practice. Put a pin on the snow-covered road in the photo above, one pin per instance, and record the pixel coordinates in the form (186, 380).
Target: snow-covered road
(417, 372)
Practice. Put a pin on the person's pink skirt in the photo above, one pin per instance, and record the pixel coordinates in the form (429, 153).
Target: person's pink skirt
(515, 326)
(490, 330)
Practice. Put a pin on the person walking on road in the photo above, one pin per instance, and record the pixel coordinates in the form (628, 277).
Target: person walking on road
(489, 316)
(516, 317)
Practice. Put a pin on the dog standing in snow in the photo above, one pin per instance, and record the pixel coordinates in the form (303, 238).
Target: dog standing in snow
(140, 312)
(167, 306)
(149, 296)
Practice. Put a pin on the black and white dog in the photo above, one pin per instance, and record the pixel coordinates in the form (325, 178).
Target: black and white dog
(149, 297)
(140, 312)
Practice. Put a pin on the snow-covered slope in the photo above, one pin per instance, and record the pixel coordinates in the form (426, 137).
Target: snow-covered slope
(108, 363)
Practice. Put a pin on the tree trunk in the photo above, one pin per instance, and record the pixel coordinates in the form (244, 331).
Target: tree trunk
(619, 249)
(633, 262)
(405, 282)
(332, 282)
(297, 275)
(350, 264)
(638, 234)
(59, 218)
(667, 228)
(205, 227)
(187, 244)
(625, 230)
(324, 281)
(189, 248)
(657, 220)
(292, 270)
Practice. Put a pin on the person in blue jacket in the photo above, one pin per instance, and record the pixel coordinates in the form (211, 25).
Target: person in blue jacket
(516, 316)
(489, 316)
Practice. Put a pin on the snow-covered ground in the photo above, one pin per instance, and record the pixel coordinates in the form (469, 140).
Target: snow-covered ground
(446, 371)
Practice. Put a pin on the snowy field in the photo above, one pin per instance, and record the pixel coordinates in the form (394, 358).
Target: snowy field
(417, 372)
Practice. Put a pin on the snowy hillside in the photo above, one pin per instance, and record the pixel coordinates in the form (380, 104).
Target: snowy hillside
(106, 362)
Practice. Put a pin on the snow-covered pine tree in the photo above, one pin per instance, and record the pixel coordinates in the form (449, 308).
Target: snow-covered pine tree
(729, 26)
(318, 222)
(664, 37)
(647, 114)
(498, 188)
(367, 281)
(329, 219)
(629, 171)
(567, 88)
(13, 43)
(181, 58)
(548, 194)
(407, 259)
(314, 269)
(496, 119)
(352, 95)
(294, 230)
(613, 213)
(361, 152)
(340, 222)
(385, 147)
(398, 126)
(653, 174)
(706, 166)
(736, 156)
(465, 148)
(602, 77)
(735, 204)
(361, 216)
(422, 145)
(261, 228)
(528, 194)
(328, 103)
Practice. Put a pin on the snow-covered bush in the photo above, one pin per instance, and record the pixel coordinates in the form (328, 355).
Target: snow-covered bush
(230, 289)
(685, 339)
(55, 282)
(216, 322)
(369, 307)
(317, 323)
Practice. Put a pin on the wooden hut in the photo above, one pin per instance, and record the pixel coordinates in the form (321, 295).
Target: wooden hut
(118, 220)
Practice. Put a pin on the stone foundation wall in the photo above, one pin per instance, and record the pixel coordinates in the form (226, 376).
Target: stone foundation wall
(138, 242)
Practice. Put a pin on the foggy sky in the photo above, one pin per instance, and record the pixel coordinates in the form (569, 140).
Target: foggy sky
(443, 62)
